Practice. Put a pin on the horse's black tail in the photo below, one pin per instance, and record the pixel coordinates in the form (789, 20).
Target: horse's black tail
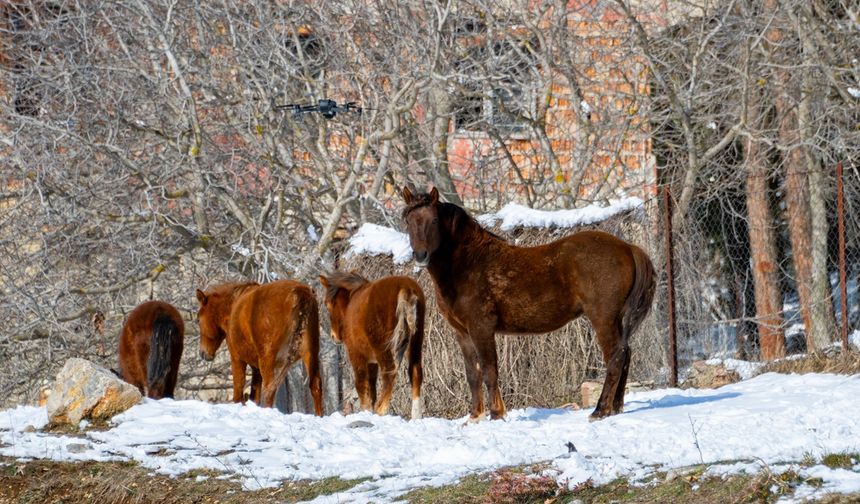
(641, 294)
(165, 332)
(407, 321)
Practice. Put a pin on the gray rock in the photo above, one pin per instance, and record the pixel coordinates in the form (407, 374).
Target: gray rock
(77, 447)
(359, 424)
(86, 390)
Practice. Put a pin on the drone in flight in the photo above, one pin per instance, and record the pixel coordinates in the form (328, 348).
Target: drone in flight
(328, 108)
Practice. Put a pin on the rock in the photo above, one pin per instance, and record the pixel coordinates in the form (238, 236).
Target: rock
(591, 390)
(86, 390)
(704, 375)
(77, 447)
(359, 424)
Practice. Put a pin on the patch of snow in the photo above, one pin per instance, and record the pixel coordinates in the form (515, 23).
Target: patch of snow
(239, 249)
(712, 125)
(584, 106)
(854, 339)
(745, 369)
(854, 92)
(514, 215)
(21, 417)
(312, 233)
(769, 419)
(835, 481)
(373, 239)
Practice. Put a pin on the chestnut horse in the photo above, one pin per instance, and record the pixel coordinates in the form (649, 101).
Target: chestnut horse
(269, 327)
(378, 322)
(150, 346)
(485, 285)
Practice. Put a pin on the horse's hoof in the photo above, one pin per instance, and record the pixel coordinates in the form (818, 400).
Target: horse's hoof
(474, 420)
(597, 416)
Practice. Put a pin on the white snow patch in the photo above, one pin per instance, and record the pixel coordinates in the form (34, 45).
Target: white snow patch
(854, 92)
(312, 233)
(373, 239)
(854, 339)
(835, 481)
(514, 215)
(584, 106)
(771, 419)
(744, 369)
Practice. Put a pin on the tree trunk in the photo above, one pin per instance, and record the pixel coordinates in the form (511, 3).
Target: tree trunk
(797, 207)
(441, 123)
(768, 298)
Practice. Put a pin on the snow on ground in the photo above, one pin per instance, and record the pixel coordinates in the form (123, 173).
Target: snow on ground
(373, 239)
(513, 215)
(771, 419)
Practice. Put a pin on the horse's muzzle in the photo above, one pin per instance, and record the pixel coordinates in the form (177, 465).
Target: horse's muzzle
(421, 258)
(205, 356)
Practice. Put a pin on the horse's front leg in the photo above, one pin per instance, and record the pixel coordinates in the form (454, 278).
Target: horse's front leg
(473, 376)
(238, 367)
(485, 344)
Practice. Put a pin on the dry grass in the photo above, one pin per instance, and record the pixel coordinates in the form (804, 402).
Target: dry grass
(38, 482)
(836, 363)
(540, 370)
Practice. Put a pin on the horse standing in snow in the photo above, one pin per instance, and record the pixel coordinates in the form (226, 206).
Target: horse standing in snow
(269, 327)
(378, 322)
(485, 285)
(150, 346)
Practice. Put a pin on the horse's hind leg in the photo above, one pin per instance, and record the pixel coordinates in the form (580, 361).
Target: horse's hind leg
(416, 374)
(618, 402)
(256, 385)
(372, 376)
(389, 373)
(615, 354)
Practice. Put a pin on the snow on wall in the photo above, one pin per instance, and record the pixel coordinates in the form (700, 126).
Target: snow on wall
(513, 215)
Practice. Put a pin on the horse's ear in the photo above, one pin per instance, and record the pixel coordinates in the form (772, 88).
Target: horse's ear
(324, 281)
(407, 195)
(434, 195)
(201, 296)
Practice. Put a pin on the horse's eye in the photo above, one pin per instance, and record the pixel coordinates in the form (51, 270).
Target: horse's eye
(435, 220)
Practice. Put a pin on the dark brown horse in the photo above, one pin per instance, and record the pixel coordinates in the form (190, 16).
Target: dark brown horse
(378, 322)
(485, 285)
(268, 327)
(150, 346)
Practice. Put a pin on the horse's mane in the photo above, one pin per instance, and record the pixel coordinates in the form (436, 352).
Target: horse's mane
(339, 280)
(232, 288)
(459, 223)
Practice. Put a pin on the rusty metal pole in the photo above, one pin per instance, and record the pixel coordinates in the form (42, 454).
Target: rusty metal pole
(843, 289)
(670, 288)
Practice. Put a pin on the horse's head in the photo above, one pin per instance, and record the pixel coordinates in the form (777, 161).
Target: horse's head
(421, 217)
(209, 318)
(338, 288)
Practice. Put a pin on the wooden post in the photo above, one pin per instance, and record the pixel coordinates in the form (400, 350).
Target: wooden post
(670, 288)
(843, 289)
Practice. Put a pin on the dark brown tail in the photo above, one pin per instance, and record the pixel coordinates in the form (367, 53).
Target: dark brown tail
(407, 321)
(161, 347)
(641, 294)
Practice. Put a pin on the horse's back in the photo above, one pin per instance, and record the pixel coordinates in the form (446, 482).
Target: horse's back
(141, 320)
(541, 288)
(269, 312)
